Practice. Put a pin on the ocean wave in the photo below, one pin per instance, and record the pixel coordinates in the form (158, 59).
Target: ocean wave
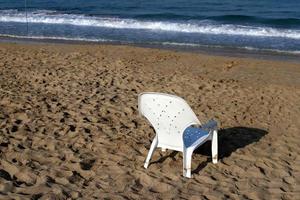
(178, 44)
(291, 52)
(252, 19)
(189, 26)
(55, 38)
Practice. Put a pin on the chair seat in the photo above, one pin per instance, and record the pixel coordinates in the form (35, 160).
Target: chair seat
(193, 134)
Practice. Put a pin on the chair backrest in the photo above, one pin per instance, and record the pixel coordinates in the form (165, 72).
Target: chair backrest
(169, 115)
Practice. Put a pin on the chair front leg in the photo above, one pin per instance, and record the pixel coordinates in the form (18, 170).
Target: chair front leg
(184, 162)
(152, 148)
(214, 146)
(187, 163)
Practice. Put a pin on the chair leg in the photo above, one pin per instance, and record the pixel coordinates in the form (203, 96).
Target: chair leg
(187, 163)
(184, 162)
(152, 148)
(214, 147)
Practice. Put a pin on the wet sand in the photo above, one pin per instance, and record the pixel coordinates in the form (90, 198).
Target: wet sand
(70, 129)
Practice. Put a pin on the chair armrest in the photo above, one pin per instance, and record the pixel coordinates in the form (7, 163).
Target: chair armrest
(211, 124)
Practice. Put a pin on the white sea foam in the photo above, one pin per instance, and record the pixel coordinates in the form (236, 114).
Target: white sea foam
(164, 43)
(202, 27)
(218, 46)
(55, 38)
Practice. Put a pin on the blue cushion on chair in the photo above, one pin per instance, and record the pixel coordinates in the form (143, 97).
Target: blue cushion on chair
(192, 134)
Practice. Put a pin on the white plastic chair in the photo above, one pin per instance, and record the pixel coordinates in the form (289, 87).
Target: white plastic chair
(172, 119)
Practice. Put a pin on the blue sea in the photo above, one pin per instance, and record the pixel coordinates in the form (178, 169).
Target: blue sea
(269, 25)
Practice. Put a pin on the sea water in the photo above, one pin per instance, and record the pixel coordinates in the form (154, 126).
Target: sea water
(270, 25)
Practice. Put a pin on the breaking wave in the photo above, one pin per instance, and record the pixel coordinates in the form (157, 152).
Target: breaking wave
(189, 26)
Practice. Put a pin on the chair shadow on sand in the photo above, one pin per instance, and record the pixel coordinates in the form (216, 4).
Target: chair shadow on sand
(229, 140)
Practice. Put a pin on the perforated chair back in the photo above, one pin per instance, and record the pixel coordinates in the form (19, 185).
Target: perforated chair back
(169, 115)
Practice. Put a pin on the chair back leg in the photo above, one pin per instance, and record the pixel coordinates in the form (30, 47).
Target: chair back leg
(214, 147)
(152, 148)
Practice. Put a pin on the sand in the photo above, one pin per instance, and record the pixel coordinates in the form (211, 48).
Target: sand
(70, 129)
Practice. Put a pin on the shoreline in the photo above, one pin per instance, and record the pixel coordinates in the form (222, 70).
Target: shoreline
(200, 49)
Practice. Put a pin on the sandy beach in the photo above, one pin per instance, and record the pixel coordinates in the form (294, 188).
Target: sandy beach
(70, 128)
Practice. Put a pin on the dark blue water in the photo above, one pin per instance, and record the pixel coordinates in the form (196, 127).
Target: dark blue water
(266, 24)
